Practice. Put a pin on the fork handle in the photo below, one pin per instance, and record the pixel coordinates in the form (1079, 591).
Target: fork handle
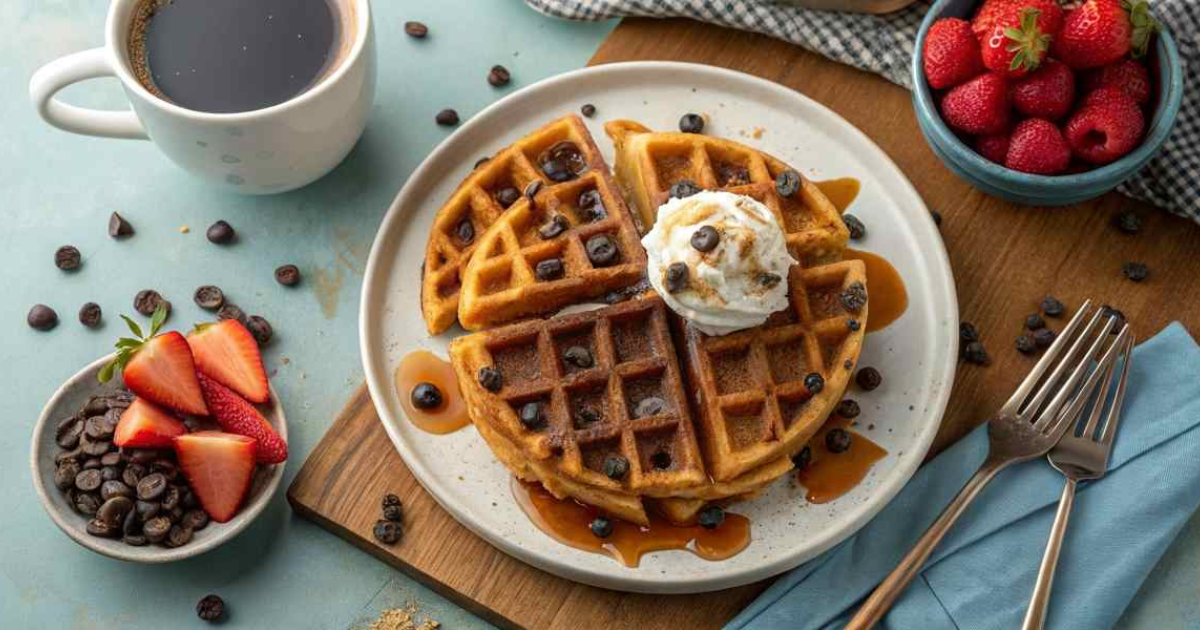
(884, 595)
(1039, 602)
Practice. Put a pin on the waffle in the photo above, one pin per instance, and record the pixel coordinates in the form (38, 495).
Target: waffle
(501, 282)
(649, 163)
(478, 202)
(749, 386)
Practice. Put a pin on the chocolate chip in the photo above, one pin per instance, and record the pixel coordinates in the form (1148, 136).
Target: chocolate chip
(179, 536)
(114, 488)
(814, 383)
(591, 206)
(854, 297)
(446, 118)
(220, 233)
(102, 529)
(676, 277)
(649, 406)
(90, 314)
(705, 238)
(967, 332)
(499, 76)
(67, 258)
(802, 459)
(556, 225)
(490, 379)
(588, 110)
(1043, 337)
(787, 183)
(388, 500)
(212, 607)
(691, 123)
(848, 409)
(1128, 222)
(579, 357)
(1135, 271)
(601, 526)
(868, 378)
(416, 29)
(209, 297)
(1034, 321)
(601, 250)
(41, 317)
(260, 328)
(937, 217)
(1052, 307)
(1026, 344)
(426, 396)
(156, 528)
(661, 460)
(711, 517)
(387, 532)
(563, 162)
(855, 226)
(1114, 313)
(287, 275)
(507, 196)
(683, 189)
(974, 352)
(532, 188)
(616, 467)
(152, 487)
(229, 310)
(853, 325)
(837, 440)
(118, 227)
(194, 520)
(531, 415)
(147, 300)
(465, 231)
(769, 280)
(88, 480)
(549, 269)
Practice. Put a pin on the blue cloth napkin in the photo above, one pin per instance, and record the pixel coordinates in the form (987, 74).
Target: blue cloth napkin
(982, 574)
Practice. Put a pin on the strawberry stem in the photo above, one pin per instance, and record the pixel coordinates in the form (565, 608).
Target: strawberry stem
(1028, 42)
(1144, 26)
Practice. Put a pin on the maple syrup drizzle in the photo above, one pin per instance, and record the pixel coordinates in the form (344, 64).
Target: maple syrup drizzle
(842, 191)
(568, 522)
(421, 366)
(830, 475)
(889, 298)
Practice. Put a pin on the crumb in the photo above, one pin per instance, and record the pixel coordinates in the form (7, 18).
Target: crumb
(757, 133)
(871, 427)
(402, 619)
(183, 229)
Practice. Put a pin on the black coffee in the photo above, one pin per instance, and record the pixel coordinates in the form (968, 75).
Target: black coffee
(225, 56)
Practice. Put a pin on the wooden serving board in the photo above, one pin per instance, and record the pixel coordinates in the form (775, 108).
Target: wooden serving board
(1005, 259)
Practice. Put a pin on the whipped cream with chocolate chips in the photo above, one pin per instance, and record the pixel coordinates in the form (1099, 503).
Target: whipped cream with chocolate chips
(719, 260)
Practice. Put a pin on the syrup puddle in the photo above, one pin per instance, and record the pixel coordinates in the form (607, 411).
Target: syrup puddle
(568, 522)
(831, 475)
(421, 366)
(842, 192)
(889, 298)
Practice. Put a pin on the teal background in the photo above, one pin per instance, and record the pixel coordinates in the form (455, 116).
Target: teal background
(59, 189)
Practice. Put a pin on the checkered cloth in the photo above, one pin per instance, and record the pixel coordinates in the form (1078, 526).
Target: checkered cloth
(884, 44)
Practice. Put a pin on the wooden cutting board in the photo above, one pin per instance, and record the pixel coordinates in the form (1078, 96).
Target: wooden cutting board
(1005, 259)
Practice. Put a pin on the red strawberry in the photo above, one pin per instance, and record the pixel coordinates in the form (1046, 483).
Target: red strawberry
(1047, 93)
(1017, 42)
(994, 148)
(951, 53)
(158, 367)
(235, 415)
(218, 467)
(979, 106)
(1106, 126)
(1101, 31)
(1037, 146)
(143, 425)
(1127, 75)
(1050, 17)
(227, 352)
(987, 15)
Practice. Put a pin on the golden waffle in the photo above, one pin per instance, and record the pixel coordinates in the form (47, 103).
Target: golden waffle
(501, 281)
(753, 405)
(478, 202)
(649, 163)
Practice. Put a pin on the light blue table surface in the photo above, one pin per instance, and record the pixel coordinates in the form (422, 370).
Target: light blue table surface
(59, 189)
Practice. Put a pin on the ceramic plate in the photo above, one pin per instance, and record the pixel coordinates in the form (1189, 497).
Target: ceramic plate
(916, 354)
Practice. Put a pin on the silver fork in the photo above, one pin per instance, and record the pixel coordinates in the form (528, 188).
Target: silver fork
(1081, 457)
(1027, 426)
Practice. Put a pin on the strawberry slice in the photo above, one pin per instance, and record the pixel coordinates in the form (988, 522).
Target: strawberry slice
(228, 353)
(158, 367)
(235, 415)
(144, 425)
(219, 467)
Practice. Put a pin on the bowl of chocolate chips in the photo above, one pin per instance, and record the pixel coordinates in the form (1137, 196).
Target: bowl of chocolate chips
(135, 503)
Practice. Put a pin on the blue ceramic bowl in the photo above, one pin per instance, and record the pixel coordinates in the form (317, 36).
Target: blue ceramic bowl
(1043, 190)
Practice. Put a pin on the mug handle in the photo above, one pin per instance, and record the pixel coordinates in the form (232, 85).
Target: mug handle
(58, 74)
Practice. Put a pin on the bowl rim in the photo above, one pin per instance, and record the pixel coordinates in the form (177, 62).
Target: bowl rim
(1170, 95)
(148, 554)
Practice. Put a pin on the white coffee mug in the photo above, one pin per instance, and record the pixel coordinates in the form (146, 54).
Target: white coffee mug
(264, 151)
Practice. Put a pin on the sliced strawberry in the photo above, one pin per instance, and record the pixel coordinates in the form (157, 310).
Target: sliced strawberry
(144, 425)
(158, 367)
(218, 467)
(227, 352)
(235, 415)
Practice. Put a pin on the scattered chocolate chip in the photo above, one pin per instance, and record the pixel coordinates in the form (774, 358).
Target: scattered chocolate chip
(465, 231)
(118, 227)
(601, 527)
(1118, 315)
(676, 277)
(853, 324)
(260, 328)
(507, 196)
(41, 317)
(711, 517)
(394, 513)
(974, 352)
(802, 459)
(1034, 321)
(88, 480)
(937, 217)
(90, 314)
(854, 297)
(156, 528)
(1043, 337)
(152, 487)
(532, 188)
(848, 409)
(1025, 344)
(389, 499)
(147, 300)
(588, 110)
(67, 258)
(579, 357)
(868, 378)
(490, 379)
(531, 415)
(649, 406)
(1052, 307)
(208, 297)
(1135, 271)
(426, 396)
(769, 280)
(549, 269)
(616, 467)
(967, 332)
(387, 532)
(856, 227)
(705, 239)
(1128, 222)
(416, 29)
(814, 383)
(837, 440)
(601, 250)
(229, 310)
(661, 460)
(287, 275)
(683, 189)
(220, 233)
(210, 608)
(499, 76)
(787, 183)
(446, 118)
(691, 123)
(556, 225)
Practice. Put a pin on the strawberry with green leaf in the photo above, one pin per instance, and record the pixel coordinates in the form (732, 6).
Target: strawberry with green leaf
(158, 367)
(1017, 42)
(1101, 32)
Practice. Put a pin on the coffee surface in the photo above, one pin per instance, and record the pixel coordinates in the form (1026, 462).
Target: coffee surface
(225, 56)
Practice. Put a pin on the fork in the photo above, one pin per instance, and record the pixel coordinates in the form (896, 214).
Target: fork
(1026, 427)
(1080, 457)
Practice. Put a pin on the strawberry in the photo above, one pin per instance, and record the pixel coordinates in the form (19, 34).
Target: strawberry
(951, 54)
(979, 106)
(1047, 93)
(218, 467)
(1106, 126)
(158, 367)
(1037, 146)
(987, 15)
(1016, 43)
(1127, 75)
(235, 415)
(228, 353)
(1050, 17)
(143, 425)
(993, 148)
(1100, 32)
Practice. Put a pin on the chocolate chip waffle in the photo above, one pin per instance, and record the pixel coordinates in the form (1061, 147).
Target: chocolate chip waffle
(567, 240)
(761, 393)
(650, 163)
(483, 197)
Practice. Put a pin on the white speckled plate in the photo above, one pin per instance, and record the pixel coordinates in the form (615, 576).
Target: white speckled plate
(916, 354)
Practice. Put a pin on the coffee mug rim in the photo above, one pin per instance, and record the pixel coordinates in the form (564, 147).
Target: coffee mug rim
(116, 28)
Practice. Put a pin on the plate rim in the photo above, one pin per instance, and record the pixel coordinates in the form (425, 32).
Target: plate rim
(632, 582)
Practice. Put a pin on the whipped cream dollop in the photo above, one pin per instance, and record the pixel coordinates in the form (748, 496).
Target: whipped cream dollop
(731, 285)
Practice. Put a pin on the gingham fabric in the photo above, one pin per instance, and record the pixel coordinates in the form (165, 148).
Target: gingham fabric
(884, 44)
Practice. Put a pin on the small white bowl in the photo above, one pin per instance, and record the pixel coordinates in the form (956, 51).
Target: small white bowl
(67, 401)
